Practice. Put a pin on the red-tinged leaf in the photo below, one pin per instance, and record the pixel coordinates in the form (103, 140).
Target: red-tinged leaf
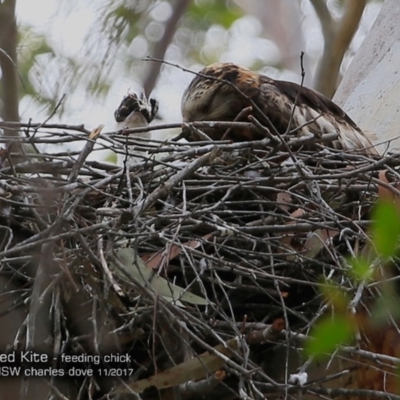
(154, 260)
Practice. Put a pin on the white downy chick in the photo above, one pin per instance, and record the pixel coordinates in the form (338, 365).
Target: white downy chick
(134, 112)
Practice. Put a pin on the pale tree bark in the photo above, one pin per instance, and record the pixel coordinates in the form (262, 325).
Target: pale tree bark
(337, 38)
(281, 23)
(370, 89)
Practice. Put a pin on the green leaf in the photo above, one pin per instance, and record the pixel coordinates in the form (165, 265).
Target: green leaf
(360, 269)
(335, 295)
(386, 228)
(137, 269)
(205, 13)
(327, 334)
(111, 158)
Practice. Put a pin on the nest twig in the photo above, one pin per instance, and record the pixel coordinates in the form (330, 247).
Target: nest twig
(201, 247)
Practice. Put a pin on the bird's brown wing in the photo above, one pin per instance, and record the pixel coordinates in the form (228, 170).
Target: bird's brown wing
(312, 99)
(281, 96)
(313, 114)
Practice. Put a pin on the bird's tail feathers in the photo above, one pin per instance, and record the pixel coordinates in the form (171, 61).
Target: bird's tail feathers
(359, 141)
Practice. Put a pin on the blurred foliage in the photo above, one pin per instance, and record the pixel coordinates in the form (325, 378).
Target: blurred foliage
(329, 333)
(386, 228)
(204, 13)
(344, 323)
(120, 35)
(123, 34)
(34, 54)
(32, 46)
(121, 21)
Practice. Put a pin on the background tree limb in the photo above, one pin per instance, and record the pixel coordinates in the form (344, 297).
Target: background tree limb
(8, 65)
(337, 37)
(162, 45)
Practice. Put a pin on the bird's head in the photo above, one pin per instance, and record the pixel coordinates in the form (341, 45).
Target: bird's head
(211, 96)
(134, 111)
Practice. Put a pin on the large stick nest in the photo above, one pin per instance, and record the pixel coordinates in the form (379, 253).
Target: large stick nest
(203, 263)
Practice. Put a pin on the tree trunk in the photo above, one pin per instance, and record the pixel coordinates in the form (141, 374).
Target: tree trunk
(370, 90)
(9, 77)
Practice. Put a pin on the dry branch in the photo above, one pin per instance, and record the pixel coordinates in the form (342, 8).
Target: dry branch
(226, 242)
(337, 38)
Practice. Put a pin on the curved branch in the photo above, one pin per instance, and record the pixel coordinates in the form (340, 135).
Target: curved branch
(336, 47)
(162, 45)
(325, 19)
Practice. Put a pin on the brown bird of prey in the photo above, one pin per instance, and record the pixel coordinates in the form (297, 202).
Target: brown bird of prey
(221, 91)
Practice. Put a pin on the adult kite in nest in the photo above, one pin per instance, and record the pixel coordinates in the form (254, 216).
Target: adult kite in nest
(221, 91)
